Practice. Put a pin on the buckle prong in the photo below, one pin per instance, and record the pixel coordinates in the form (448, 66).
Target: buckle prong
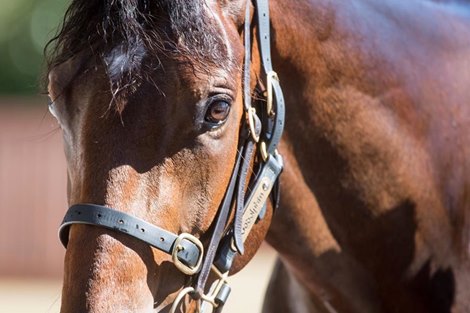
(177, 247)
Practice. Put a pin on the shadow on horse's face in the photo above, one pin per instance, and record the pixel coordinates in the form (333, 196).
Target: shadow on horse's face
(162, 149)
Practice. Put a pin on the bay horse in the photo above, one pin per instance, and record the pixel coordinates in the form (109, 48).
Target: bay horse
(167, 134)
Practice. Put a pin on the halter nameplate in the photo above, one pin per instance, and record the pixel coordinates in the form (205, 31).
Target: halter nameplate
(261, 191)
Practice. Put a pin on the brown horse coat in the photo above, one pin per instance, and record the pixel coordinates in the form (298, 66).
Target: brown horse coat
(375, 212)
(377, 145)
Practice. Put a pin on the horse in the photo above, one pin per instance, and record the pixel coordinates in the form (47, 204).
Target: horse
(164, 111)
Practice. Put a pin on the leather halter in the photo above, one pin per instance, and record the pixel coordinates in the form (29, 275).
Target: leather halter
(188, 255)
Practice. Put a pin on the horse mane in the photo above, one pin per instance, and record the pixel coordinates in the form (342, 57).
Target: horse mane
(121, 33)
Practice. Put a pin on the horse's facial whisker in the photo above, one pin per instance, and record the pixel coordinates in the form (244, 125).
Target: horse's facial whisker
(250, 169)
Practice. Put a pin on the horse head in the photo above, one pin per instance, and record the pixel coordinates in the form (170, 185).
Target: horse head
(160, 141)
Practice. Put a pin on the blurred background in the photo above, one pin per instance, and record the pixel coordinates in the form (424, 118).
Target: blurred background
(33, 173)
(25, 27)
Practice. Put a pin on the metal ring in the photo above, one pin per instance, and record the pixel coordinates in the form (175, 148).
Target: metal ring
(215, 288)
(180, 297)
(209, 299)
(269, 81)
(251, 122)
(188, 270)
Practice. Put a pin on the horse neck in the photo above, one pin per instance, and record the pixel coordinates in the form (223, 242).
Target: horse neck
(342, 78)
(333, 43)
(345, 64)
(315, 50)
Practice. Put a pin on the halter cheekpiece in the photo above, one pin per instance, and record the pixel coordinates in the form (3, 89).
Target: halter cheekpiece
(264, 130)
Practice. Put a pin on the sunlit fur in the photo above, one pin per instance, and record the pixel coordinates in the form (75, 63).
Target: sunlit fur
(375, 193)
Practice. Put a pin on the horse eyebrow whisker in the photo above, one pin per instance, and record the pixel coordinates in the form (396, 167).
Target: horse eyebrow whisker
(255, 175)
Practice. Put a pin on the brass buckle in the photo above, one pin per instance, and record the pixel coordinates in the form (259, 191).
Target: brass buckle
(269, 82)
(264, 151)
(177, 247)
(251, 122)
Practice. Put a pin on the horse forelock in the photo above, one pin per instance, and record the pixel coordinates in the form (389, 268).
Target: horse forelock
(129, 37)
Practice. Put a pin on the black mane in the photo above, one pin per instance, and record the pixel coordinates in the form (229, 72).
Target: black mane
(135, 29)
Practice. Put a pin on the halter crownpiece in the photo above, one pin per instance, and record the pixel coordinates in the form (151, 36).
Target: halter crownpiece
(187, 251)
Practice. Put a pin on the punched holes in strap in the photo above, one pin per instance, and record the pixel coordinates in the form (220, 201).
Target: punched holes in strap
(262, 8)
(188, 252)
(272, 135)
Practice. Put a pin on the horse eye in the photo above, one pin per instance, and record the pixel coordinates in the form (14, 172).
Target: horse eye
(217, 112)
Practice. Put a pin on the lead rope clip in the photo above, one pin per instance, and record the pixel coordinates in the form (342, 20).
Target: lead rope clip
(207, 302)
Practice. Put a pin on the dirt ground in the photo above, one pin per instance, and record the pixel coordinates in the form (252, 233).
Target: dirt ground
(43, 296)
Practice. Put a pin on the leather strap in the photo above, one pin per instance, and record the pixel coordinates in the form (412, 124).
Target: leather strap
(240, 208)
(262, 10)
(220, 225)
(274, 132)
(247, 65)
(97, 215)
